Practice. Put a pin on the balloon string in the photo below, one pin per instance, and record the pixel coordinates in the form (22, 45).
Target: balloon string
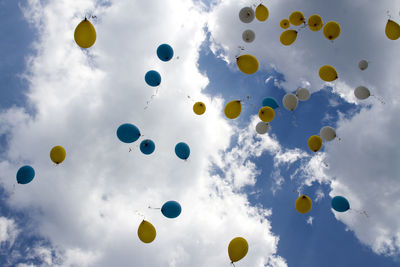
(232, 263)
(294, 119)
(297, 191)
(12, 192)
(139, 214)
(362, 212)
(241, 48)
(132, 148)
(152, 97)
(380, 99)
(247, 100)
(388, 14)
(154, 208)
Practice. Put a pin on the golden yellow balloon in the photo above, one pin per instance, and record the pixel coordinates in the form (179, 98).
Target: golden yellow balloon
(85, 34)
(248, 64)
(331, 30)
(266, 114)
(146, 232)
(315, 143)
(297, 18)
(233, 109)
(315, 23)
(288, 37)
(57, 154)
(328, 73)
(237, 249)
(261, 12)
(392, 30)
(285, 23)
(303, 204)
(199, 108)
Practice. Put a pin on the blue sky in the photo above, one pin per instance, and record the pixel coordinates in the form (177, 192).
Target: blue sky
(229, 186)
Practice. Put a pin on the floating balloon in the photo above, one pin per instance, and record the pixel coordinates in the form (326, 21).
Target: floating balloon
(303, 204)
(297, 18)
(288, 37)
(248, 36)
(340, 204)
(290, 102)
(327, 133)
(261, 12)
(266, 114)
(146, 232)
(262, 127)
(246, 14)
(147, 146)
(165, 52)
(363, 64)
(57, 154)
(270, 102)
(171, 209)
(237, 249)
(182, 150)
(362, 92)
(315, 143)
(248, 64)
(128, 133)
(392, 30)
(327, 73)
(199, 108)
(233, 109)
(285, 23)
(315, 23)
(85, 34)
(153, 78)
(331, 30)
(25, 174)
(303, 94)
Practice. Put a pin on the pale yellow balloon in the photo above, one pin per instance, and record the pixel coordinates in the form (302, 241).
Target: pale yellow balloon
(285, 23)
(248, 64)
(392, 30)
(315, 22)
(288, 37)
(199, 108)
(331, 30)
(57, 154)
(303, 204)
(237, 249)
(233, 109)
(85, 34)
(262, 12)
(297, 18)
(146, 232)
(328, 73)
(266, 114)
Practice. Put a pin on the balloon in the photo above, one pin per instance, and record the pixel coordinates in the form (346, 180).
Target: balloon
(340, 204)
(262, 127)
(288, 37)
(290, 102)
(237, 249)
(248, 36)
(363, 64)
(171, 209)
(248, 64)
(297, 18)
(303, 204)
(285, 23)
(266, 114)
(57, 154)
(25, 174)
(327, 133)
(303, 94)
(262, 12)
(165, 52)
(128, 133)
(147, 146)
(85, 34)
(328, 73)
(270, 102)
(182, 150)
(362, 92)
(315, 23)
(199, 108)
(331, 30)
(152, 78)
(233, 109)
(146, 232)
(246, 14)
(392, 30)
(315, 143)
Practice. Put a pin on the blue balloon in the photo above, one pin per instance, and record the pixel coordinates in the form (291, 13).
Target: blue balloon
(165, 52)
(340, 204)
(128, 133)
(152, 78)
(25, 174)
(147, 146)
(171, 209)
(182, 150)
(270, 102)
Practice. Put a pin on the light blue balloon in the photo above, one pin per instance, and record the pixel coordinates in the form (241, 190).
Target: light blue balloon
(25, 174)
(171, 209)
(152, 78)
(340, 204)
(165, 52)
(182, 150)
(270, 102)
(128, 133)
(147, 146)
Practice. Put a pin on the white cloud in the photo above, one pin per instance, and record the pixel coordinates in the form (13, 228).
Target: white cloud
(8, 232)
(310, 220)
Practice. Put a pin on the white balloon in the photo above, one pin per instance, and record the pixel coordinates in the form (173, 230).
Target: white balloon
(246, 15)
(327, 133)
(262, 127)
(303, 94)
(290, 102)
(363, 64)
(248, 36)
(362, 92)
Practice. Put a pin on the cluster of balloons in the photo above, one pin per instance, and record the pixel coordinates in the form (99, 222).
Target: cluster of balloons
(164, 53)
(290, 101)
(303, 204)
(246, 15)
(327, 133)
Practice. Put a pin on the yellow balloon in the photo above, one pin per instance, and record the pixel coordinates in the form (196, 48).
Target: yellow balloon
(85, 34)
(247, 64)
(327, 73)
(285, 23)
(303, 204)
(297, 18)
(199, 108)
(288, 37)
(315, 22)
(262, 12)
(392, 30)
(237, 249)
(57, 154)
(146, 232)
(233, 109)
(266, 114)
(315, 143)
(331, 30)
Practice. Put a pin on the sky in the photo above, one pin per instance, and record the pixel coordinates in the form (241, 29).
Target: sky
(86, 210)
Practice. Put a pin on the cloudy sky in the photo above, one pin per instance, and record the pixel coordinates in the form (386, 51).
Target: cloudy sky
(86, 211)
